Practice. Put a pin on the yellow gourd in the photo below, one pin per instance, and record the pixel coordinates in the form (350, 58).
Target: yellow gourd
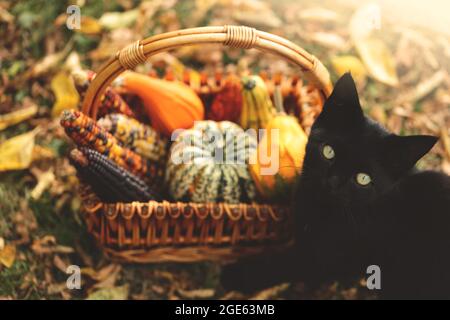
(291, 145)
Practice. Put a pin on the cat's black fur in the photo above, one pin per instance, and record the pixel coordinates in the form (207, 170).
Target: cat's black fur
(400, 221)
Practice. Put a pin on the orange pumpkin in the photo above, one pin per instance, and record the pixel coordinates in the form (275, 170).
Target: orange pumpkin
(170, 105)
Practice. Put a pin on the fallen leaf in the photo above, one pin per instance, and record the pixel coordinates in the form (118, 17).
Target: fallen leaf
(425, 87)
(343, 64)
(17, 151)
(8, 255)
(45, 179)
(378, 60)
(49, 62)
(116, 20)
(196, 294)
(66, 94)
(375, 55)
(116, 293)
(271, 293)
(15, 117)
(89, 26)
(47, 245)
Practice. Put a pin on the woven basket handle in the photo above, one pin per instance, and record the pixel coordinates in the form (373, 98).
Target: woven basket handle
(233, 36)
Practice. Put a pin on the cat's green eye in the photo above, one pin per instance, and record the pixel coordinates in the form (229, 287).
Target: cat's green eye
(328, 152)
(363, 179)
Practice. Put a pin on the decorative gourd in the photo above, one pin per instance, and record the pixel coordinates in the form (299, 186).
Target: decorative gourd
(170, 105)
(227, 103)
(257, 108)
(290, 145)
(208, 163)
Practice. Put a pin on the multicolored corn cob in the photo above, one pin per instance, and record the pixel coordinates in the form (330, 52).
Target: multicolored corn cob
(111, 101)
(110, 182)
(85, 132)
(136, 136)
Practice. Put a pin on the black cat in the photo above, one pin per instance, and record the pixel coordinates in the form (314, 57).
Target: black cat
(360, 202)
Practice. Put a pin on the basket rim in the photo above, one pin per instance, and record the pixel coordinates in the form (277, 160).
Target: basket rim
(174, 210)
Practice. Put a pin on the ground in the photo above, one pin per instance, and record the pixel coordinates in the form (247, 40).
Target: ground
(402, 76)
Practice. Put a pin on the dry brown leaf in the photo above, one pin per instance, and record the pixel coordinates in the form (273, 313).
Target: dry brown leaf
(106, 277)
(47, 245)
(15, 117)
(60, 264)
(50, 61)
(17, 151)
(196, 294)
(424, 88)
(8, 255)
(271, 293)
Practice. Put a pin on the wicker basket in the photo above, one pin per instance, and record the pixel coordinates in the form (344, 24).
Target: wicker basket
(187, 232)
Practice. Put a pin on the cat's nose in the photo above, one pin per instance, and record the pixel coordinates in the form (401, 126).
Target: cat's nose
(333, 182)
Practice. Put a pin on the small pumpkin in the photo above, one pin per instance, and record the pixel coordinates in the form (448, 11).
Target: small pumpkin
(170, 105)
(208, 163)
(291, 145)
(227, 103)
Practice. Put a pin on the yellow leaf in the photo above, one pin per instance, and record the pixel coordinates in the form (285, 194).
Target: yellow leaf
(116, 293)
(116, 20)
(17, 116)
(378, 60)
(65, 92)
(343, 64)
(373, 52)
(17, 152)
(90, 26)
(8, 255)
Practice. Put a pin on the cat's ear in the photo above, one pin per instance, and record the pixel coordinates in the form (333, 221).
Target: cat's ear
(400, 153)
(342, 107)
